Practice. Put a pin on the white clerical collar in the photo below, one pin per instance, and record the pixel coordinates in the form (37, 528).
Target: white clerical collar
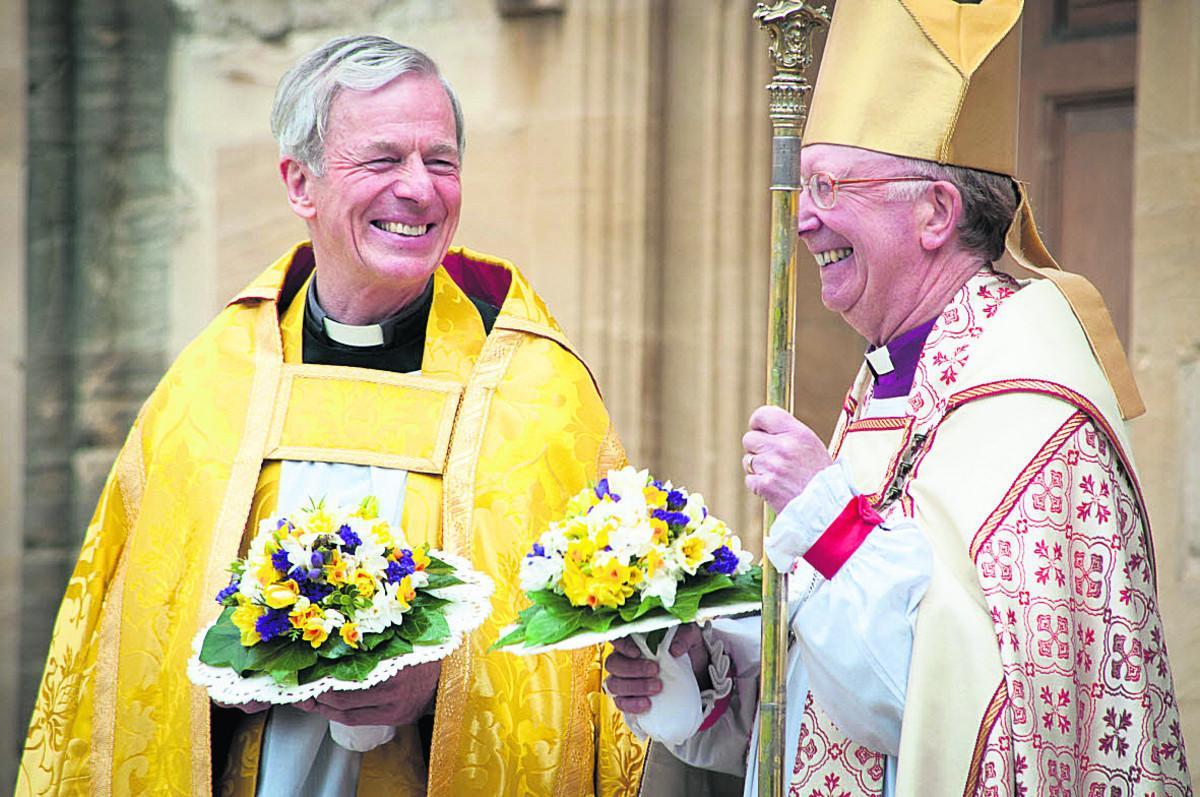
(880, 361)
(366, 335)
(352, 335)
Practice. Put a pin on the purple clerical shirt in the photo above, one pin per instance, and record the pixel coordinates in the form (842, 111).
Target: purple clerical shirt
(905, 351)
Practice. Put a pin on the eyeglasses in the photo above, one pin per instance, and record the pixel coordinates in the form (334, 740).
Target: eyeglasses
(823, 187)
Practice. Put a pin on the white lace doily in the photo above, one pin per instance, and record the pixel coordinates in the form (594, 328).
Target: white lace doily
(642, 625)
(470, 606)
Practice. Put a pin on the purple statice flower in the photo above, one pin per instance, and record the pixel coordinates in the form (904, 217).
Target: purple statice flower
(317, 560)
(280, 560)
(538, 550)
(724, 562)
(676, 501)
(350, 540)
(658, 485)
(399, 568)
(272, 624)
(671, 518)
(602, 488)
(314, 590)
(230, 590)
(281, 523)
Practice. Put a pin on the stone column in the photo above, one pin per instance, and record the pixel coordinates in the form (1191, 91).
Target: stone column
(12, 379)
(100, 213)
(1166, 350)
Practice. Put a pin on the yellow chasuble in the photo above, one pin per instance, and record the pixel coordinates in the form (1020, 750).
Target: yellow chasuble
(497, 432)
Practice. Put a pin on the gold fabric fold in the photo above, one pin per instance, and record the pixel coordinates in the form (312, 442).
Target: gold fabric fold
(527, 436)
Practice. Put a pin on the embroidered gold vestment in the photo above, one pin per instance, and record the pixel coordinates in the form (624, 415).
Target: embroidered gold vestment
(497, 432)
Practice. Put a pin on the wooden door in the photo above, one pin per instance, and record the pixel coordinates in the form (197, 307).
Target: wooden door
(1078, 75)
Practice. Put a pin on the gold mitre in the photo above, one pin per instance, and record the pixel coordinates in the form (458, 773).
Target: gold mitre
(939, 80)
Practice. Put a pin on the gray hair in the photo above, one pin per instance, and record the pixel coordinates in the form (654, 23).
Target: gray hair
(300, 113)
(989, 202)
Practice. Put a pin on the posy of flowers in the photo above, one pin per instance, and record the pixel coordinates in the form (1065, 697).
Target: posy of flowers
(628, 548)
(328, 592)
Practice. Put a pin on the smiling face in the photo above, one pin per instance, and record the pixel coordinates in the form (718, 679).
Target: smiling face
(874, 266)
(384, 211)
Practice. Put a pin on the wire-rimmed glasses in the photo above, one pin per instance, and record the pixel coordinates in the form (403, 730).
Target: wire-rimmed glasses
(823, 187)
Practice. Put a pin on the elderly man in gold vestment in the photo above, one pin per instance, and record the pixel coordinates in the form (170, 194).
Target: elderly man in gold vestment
(311, 380)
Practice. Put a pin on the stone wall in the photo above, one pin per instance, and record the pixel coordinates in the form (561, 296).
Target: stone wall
(1166, 339)
(12, 387)
(99, 218)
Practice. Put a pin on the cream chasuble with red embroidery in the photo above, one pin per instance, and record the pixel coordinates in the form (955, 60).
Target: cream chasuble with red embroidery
(1039, 666)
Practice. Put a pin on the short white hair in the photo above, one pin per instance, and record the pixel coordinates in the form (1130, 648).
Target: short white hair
(362, 62)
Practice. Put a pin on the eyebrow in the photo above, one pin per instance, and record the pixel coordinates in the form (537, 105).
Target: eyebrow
(384, 145)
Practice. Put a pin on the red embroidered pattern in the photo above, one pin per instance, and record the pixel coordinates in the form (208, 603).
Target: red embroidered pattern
(1092, 706)
(830, 765)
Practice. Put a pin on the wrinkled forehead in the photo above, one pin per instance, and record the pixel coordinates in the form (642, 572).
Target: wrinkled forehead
(840, 160)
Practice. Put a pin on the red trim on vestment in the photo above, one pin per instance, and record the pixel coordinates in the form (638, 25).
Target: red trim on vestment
(718, 709)
(843, 537)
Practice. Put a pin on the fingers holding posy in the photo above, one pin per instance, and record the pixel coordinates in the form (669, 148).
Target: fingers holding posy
(632, 679)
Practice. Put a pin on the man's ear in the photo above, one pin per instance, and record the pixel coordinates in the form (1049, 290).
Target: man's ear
(942, 212)
(298, 181)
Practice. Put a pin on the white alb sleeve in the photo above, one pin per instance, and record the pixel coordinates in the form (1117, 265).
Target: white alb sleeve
(855, 631)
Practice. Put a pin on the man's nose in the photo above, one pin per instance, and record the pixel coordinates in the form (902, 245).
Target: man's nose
(414, 182)
(806, 217)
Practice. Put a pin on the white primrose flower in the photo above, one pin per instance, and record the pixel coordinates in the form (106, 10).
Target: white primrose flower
(333, 619)
(631, 541)
(540, 572)
(370, 619)
(694, 509)
(661, 585)
(695, 548)
(418, 579)
(391, 610)
(554, 540)
(629, 483)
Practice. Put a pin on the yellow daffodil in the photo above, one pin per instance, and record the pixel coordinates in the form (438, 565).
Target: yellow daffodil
(315, 632)
(244, 618)
(655, 498)
(337, 570)
(302, 612)
(281, 594)
(420, 557)
(350, 634)
(364, 583)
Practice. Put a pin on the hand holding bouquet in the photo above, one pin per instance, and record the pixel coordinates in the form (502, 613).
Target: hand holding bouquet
(631, 555)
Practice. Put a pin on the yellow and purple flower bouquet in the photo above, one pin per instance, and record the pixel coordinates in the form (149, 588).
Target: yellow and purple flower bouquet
(333, 599)
(632, 555)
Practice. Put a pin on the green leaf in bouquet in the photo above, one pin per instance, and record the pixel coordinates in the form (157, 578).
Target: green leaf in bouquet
(281, 654)
(635, 608)
(438, 566)
(746, 587)
(396, 646)
(285, 677)
(425, 628)
(334, 648)
(372, 641)
(597, 622)
(222, 646)
(549, 626)
(511, 638)
(416, 622)
(353, 667)
(688, 595)
(423, 600)
(440, 580)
